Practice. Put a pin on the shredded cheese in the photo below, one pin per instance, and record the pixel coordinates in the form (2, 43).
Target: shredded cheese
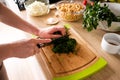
(37, 8)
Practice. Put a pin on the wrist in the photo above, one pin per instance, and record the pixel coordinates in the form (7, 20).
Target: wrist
(38, 32)
(5, 50)
(35, 31)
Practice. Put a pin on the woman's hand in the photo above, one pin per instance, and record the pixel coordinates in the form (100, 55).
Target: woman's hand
(26, 48)
(48, 32)
(21, 49)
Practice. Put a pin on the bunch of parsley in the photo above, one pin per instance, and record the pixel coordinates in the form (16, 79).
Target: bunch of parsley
(95, 13)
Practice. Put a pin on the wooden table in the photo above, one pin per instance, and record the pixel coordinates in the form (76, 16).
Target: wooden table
(30, 69)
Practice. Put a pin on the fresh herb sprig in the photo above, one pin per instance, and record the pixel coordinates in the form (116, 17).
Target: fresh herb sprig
(95, 13)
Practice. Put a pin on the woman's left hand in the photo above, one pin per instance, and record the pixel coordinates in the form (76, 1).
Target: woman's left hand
(49, 32)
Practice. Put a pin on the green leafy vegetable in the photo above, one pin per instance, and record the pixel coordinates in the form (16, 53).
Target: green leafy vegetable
(64, 44)
(95, 13)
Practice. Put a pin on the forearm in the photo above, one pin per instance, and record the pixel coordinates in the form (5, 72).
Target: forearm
(13, 49)
(10, 18)
(5, 51)
(20, 49)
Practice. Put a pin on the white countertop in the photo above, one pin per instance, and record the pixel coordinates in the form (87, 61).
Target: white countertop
(19, 69)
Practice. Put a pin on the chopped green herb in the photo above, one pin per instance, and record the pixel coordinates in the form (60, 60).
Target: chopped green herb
(64, 44)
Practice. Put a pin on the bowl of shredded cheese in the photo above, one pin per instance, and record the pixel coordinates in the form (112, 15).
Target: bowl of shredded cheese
(70, 11)
(37, 8)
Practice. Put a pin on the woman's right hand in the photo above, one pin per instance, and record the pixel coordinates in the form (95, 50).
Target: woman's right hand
(21, 49)
(26, 48)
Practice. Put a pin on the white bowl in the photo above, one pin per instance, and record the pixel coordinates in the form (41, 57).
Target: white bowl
(115, 26)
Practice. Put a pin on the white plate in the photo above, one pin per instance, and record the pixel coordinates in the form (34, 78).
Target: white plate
(52, 21)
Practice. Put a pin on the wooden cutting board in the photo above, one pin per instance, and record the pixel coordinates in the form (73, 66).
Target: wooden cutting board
(60, 65)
